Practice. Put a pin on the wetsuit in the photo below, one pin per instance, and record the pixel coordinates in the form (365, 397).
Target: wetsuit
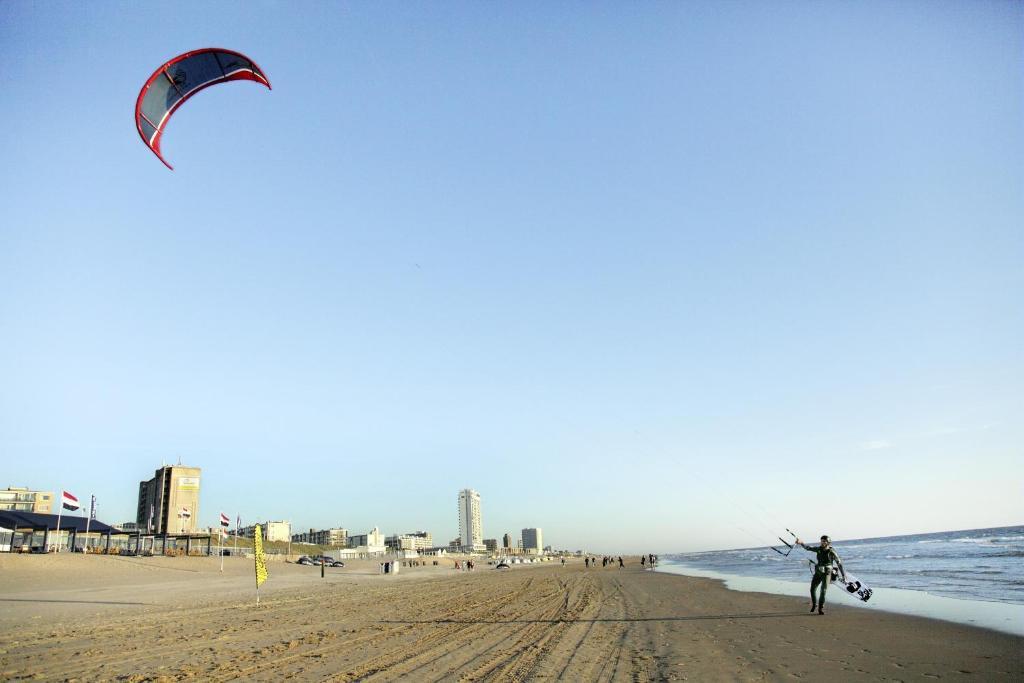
(825, 556)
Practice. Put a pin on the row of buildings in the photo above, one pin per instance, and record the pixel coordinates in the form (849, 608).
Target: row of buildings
(168, 503)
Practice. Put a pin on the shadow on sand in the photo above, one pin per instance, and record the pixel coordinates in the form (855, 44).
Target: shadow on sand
(77, 602)
(701, 617)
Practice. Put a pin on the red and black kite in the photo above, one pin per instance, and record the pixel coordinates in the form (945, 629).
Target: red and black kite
(181, 78)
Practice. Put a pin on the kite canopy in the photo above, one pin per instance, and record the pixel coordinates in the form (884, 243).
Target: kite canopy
(181, 78)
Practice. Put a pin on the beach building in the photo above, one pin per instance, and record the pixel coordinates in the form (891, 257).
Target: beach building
(533, 541)
(272, 531)
(22, 499)
(336, 536)
(370, 544)
(169, 502)
(471, 526)
(417, 540)
(491, 544)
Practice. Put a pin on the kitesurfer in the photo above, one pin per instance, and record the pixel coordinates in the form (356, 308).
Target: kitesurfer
(825, 556)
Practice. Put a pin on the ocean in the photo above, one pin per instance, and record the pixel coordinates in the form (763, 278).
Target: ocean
(974, 576)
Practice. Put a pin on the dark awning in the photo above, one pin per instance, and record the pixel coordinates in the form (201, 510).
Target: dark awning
(40, 522)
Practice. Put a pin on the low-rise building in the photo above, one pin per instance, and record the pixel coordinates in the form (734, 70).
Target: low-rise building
(370, 542)
(337, 537)
(272, 531)
(417, 540)
(491, 544)
(23, 499)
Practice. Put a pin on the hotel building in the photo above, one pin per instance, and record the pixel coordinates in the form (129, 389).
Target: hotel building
(169, 502)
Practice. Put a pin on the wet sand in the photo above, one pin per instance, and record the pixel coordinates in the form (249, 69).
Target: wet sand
(168, 619)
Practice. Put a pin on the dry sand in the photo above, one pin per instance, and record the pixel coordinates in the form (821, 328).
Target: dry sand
(140, 619)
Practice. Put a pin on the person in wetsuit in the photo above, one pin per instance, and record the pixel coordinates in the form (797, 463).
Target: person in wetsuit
(825, 556)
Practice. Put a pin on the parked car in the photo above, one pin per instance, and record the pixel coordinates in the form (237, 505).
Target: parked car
(306, 560)
(336, 563)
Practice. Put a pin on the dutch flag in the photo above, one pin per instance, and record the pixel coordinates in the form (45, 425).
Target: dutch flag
(68, 501)
(224, 520)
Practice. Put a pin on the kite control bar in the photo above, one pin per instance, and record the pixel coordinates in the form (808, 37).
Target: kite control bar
(790, 546)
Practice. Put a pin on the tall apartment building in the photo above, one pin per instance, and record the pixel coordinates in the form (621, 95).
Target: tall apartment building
(169, 502)
(506, 541)
(471, 527)
(21, 499)
(532, 541)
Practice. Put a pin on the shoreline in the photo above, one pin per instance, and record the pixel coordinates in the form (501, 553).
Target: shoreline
(170, 619)
(997, 616)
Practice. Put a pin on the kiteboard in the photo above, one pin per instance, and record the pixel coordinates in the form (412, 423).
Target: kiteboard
(851, 584)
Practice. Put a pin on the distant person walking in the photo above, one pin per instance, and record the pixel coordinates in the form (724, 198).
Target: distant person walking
(825, 557)
(586, 563)
(643, 561)
(620, 563)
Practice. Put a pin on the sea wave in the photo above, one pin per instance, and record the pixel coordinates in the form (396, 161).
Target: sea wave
(991, 541)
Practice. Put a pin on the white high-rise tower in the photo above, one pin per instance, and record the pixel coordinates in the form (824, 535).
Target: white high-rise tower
(471, 527)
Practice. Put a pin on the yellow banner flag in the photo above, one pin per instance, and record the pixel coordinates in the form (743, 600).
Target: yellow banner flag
(261, 561)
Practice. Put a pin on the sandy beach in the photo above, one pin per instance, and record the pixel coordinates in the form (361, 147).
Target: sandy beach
(167, 619)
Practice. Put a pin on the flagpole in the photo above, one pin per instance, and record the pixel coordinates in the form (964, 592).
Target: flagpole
(220, 548)
(88, 520)
(60, 511)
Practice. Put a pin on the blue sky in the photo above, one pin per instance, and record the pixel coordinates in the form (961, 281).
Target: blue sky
(651, 277)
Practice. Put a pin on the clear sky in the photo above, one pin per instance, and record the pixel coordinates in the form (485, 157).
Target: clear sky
(653, 277)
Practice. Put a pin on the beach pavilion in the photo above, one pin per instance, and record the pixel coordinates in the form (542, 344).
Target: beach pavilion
(26, 527)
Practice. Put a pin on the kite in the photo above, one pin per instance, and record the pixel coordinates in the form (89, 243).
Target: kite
(181, 78)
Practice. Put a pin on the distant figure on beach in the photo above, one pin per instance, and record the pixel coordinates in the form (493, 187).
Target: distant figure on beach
(620, 563)
(825, 556)
(604, 561)
(563, 561)
(643, 561)
(586, 562)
